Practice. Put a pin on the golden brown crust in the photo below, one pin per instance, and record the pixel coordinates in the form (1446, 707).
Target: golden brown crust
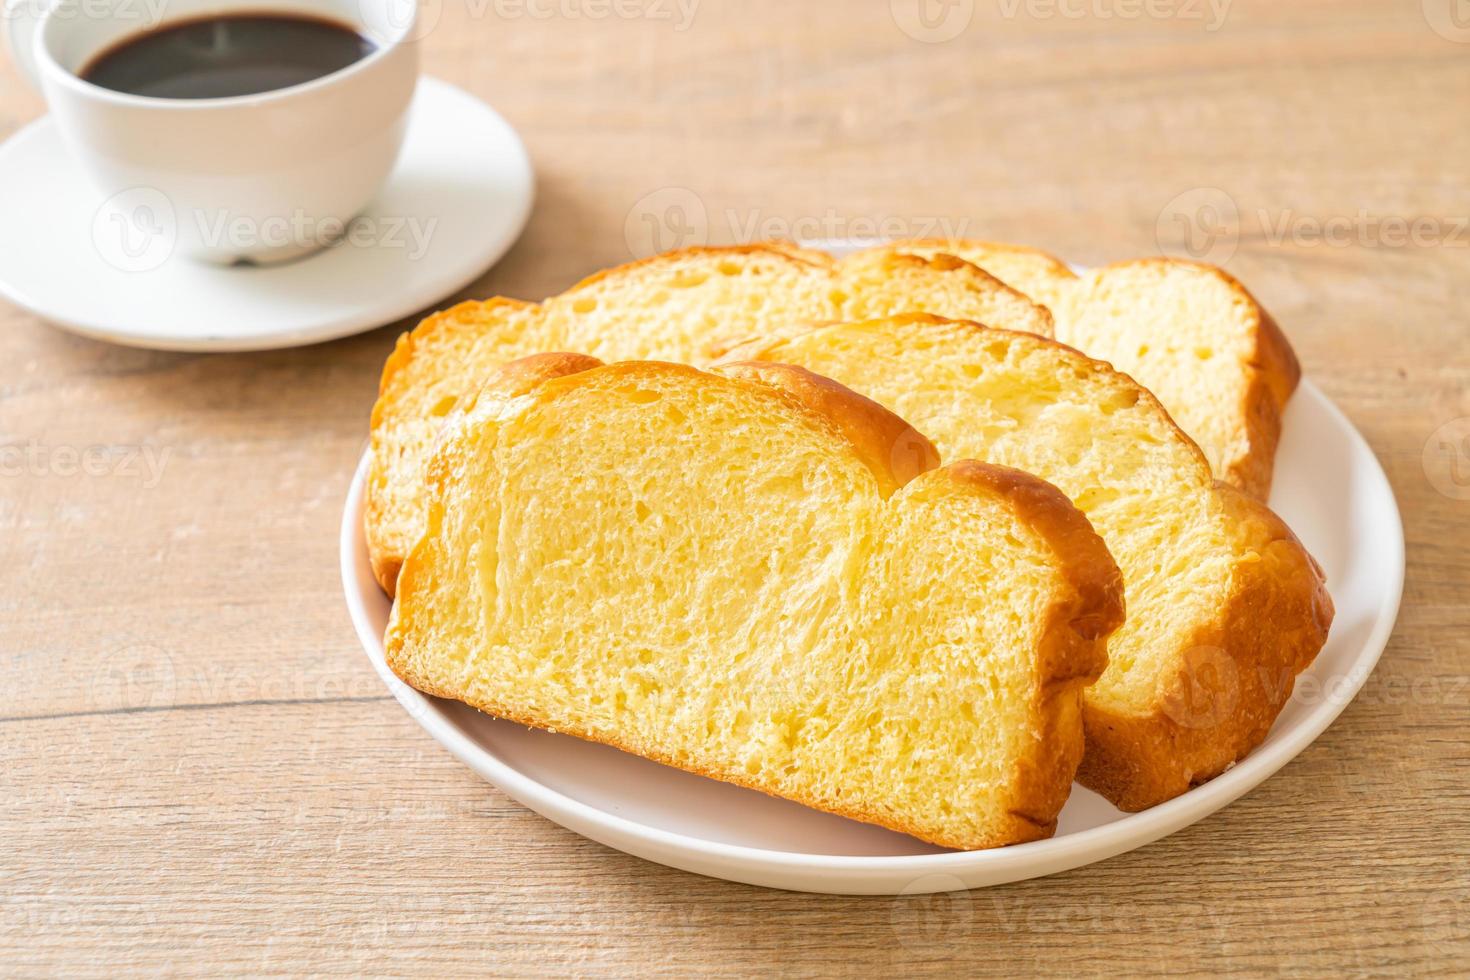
(1268, 631)
(386, 570)
(525, 374)
(1073, 652)
(1270, 628)
(386, 550)
(388, 529)
(760, 350)
(960, 246)
(1048, 282)
(769, 249)
(1082, 558)
(1276, 372)
(427, 328)
(1239, 672)
(1074, 636)
(811, 255)
(894, 451)
(1272, 373)
(892, 259)
(385, 554)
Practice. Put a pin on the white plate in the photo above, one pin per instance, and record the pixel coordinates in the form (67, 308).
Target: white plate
(463, 181)
(1329, 488)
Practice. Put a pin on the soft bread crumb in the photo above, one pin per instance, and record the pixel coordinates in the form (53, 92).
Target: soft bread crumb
(709, 571)
(1224, 605)
(1188, 332)
(687, 306)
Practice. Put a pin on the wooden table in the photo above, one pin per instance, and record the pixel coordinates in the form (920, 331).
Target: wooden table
(202, 773)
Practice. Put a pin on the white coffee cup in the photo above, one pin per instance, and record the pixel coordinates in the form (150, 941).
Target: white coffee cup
(251, 178)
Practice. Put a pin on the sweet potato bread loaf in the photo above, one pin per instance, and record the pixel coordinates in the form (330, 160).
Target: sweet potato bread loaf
(685, 306)
(1188, 332)
(1225, 607)
(759, 576)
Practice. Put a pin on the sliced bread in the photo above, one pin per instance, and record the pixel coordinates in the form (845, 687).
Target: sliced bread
(1039, 275)
(1188, 332)
(683, 306)
(1225, 607)
(758, 576)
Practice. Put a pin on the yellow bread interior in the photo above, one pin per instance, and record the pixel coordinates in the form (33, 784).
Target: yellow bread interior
(1195, 338)
(1224, 606)
(756, 576)
(1037, 274)
(1188, 332)
(686, 306)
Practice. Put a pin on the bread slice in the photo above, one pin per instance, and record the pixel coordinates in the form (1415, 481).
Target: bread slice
(1225, 607)
(1188, 332)
(1040, 275)
(758, 576)
(1199, 341)
(685, 306)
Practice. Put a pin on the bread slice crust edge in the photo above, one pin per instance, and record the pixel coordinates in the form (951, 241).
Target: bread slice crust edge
(389, 535)
(1072, 653)
(1269, 629)
(1271, 371)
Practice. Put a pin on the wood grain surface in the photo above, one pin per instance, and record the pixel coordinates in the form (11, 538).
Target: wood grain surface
(201, 773)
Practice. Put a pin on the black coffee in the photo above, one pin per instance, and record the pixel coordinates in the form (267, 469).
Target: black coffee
(217, 57)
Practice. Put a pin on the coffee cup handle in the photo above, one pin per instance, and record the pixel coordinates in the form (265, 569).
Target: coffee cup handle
(22, 19)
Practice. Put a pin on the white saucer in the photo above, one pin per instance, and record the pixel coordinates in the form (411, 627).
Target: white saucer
(463, 183)
(1329, 488)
